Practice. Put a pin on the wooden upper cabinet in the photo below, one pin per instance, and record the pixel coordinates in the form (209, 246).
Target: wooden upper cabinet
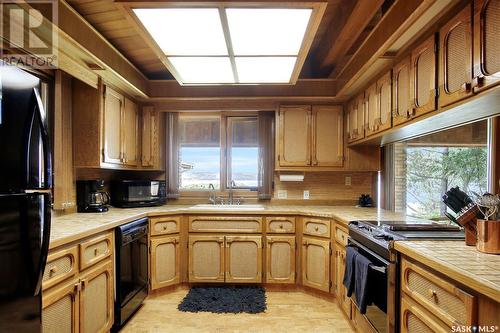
(356, 119)
(150, 138)
(130, 133)
(359, 107)
(294, 144)
(328, 140)
(423, 77)
(113, 104)
(310, 136)
(384, 102)
(455, 74)
(486, 50)
(401, 96)
(371, 110)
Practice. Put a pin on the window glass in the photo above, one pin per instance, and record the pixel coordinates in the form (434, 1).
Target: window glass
(244, 152)
(425, 168)
(199, 152)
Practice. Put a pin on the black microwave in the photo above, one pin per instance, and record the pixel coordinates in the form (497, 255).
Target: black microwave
(138, 193)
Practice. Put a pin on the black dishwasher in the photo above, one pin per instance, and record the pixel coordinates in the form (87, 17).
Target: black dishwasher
(131, 271)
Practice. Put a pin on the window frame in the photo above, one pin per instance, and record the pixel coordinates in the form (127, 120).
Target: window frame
(245, 193)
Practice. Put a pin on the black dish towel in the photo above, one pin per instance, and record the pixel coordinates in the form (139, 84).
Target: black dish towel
(361, 283)
(351, 253)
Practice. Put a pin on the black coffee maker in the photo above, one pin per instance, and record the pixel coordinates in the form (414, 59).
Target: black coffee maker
(90, 196)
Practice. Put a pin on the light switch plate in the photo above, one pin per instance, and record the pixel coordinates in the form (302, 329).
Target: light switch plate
(348, 181)
(306, 195)
(282, 194)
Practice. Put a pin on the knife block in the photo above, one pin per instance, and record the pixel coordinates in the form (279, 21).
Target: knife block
(467, 219)
(488, 236)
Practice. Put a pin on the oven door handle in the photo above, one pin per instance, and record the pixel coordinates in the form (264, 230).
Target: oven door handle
(364, 248)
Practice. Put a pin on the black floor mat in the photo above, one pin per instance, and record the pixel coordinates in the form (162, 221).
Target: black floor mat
(228, 299)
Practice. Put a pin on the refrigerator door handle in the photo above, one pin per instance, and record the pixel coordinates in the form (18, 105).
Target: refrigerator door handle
(44, 250)
(45, 140)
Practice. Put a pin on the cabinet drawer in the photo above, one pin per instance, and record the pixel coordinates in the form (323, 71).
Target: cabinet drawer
(414, 318)
(317, 227)
(95, 249)
(61, 264)
(451, 304)
(164, 225)
(237, 224)
(341, 236)
(280, 225)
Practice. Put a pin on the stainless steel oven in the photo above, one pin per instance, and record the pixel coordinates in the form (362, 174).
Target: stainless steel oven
(131, 271)
(382, 314)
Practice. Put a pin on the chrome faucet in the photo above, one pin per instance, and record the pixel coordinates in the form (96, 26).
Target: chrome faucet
(212, 196)
(232, 184)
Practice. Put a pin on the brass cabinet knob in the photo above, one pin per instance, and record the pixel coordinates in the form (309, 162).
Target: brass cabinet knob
(432, 294)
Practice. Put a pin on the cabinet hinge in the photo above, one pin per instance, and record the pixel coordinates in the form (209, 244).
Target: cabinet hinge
(279, 157)
(437, 92)
(331, 252)
(331, 284)
(436, 47)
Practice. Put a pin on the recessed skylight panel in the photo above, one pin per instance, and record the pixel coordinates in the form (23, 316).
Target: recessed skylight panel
(267, 31)
(185, 31)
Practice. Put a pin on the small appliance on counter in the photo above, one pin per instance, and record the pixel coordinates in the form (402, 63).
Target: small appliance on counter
(138, 193)
(91, 197)
(365, 201)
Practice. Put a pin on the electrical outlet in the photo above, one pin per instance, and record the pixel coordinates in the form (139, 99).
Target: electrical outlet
(306, 195)
(282, 194)
(348, 181)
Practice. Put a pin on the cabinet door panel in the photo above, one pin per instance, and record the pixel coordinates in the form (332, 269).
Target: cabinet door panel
(130, 132)
(206, 258)
(384, 103)
(424, 78)
(97, 299)
(244, 259)
(360, 116)
(60, 308)
(280, 259)
(149, 133)
(372, 111)
(401, 92)
(455, 76)
(294, 136)
(486, 46)
(327, 136)
(316, 263)
(165, 260)
(113, 104)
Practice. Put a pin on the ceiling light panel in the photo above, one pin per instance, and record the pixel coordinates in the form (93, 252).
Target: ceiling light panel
(185, 31)
(203, 70)
(265, 69)
(267, 31)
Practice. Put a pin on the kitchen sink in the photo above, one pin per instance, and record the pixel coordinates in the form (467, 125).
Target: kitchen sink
(229, 207)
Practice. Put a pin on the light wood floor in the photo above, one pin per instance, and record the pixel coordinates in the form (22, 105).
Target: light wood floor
(286, 312)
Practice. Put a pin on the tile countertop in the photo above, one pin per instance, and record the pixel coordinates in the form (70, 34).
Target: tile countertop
(462, 263)
(71, 227)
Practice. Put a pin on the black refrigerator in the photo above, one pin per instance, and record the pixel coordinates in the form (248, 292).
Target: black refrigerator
(25, 199)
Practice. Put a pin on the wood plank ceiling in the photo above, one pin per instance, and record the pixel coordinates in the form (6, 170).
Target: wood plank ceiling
(344, 27)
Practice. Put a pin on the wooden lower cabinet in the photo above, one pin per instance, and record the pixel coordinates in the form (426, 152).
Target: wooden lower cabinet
(316, 263)
(415, 319)
(341, 291)
(60, 308)
(206, 258)
(243, 259)
(280, 259)
(97, 299)
(165, 261)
